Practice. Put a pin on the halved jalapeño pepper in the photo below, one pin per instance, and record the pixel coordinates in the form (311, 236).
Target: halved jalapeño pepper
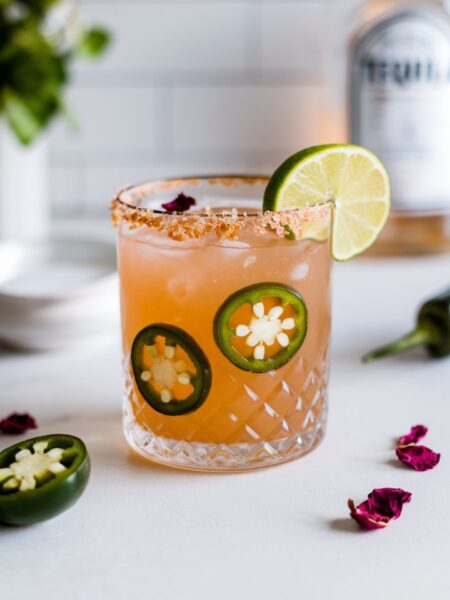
(171, 371)
(41, 477)
(261, 327)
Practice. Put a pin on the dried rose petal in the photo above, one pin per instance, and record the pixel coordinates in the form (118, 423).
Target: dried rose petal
(382, 506)
(180, 204)
(420, 458)
(17, 423)
(417, 433)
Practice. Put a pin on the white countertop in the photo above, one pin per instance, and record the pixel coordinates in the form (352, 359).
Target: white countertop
(142, 531)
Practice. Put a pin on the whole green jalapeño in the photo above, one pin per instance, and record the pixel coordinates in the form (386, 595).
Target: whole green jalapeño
(41, 477)
(261, 327)
(171, 371)
(432, 331)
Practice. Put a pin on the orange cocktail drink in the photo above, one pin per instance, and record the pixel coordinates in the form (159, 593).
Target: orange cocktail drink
(226, 323)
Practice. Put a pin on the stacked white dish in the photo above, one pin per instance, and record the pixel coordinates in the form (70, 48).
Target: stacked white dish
(57, 293)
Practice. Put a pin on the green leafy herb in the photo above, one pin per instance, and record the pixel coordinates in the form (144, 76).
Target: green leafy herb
(92, 43)
(36, 58)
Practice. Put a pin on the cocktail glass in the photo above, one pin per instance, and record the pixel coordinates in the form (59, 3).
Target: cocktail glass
(225, 324)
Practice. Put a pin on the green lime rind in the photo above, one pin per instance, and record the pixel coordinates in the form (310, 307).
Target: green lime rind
(285, 174)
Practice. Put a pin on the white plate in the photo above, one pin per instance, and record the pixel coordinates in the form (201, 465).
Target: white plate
(57, 293)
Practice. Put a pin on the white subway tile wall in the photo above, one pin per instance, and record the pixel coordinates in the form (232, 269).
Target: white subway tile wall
(192, 87)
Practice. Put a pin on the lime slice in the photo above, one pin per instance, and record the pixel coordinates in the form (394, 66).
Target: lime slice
(350, 178)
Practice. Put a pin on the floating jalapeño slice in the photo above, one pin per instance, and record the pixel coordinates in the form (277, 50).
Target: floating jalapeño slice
(171, 371)
(261, 327)
(41, 477)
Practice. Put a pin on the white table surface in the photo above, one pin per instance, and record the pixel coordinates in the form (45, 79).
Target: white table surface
(142, 531)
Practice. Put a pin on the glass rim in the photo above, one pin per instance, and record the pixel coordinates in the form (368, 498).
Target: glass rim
(158, 185)
(226, 221)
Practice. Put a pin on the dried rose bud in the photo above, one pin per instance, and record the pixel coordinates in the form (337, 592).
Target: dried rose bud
(382, 506)
(417, 433)
(17, 423)
(180, 204)
(409, 452)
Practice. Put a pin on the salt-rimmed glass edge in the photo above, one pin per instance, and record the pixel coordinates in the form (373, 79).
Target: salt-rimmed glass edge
(189, 180)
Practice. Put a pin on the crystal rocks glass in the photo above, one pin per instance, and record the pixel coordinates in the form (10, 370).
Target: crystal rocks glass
(225, 324)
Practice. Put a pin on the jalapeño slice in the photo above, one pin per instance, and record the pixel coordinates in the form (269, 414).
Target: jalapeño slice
(261, 327)
(41, 477)
(172, 372)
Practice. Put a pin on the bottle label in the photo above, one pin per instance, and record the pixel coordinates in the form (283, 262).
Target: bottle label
(400, 106)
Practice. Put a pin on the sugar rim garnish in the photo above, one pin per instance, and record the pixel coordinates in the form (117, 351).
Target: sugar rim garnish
(225, 225)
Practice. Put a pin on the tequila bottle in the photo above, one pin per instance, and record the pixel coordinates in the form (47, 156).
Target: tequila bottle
(399, 107)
